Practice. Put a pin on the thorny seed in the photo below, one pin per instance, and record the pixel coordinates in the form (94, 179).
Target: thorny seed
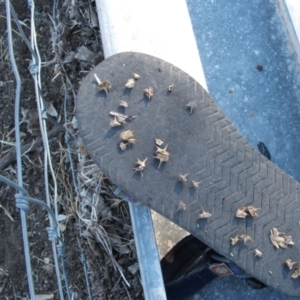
(121, 119)
(127, 134)
(162, 155)
(135, 76)
(123, 103)
(158, 142)
(191, 105)
(130, 83)
(149, 92)
(195, 184)
(181, 206)
(162, 158)
(131, 141)
(182, 178)
(245, 238)
(141, 164)
(234, 240)
(288, 240)
(241, 213)
(171, 87)
(253, 211)
(279, 239)
(114, 122)
(162, 150)
(258, 253)
(290, 263)
(296, 274)
(123, 146)
(103, 86)
(204, 214)
(119, 115)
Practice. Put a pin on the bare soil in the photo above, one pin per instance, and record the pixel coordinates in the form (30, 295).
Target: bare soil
(106, 217)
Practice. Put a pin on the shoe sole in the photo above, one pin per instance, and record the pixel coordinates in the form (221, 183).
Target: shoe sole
(204, 144)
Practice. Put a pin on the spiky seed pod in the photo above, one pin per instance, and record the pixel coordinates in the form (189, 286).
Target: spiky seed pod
(135, 76)
(204, 214)
(162, 155)
(162, 150)
(162, 158)
(131, 141)
(290, 263)
(127, 134)
(288, 240)
(103, 86)
(241, 213)
(279, 239)
(258, 253)
(141, 165)
(149, 92)
(191, 105)
(252, 210)
(123, 146)
(296, 273)
(121, 119)
(181, 206)
(158, 142)
(182, 178)
(130, 83)
(195, 184)
(123, 103)
(114, 123)
(245, 238)
(234, 240)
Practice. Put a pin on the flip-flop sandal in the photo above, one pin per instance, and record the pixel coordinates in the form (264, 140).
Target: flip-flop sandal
(165, 142)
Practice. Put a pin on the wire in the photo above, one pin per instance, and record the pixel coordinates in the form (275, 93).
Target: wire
(36, 71)
(18, 150)
(82, 255)
(22, 198)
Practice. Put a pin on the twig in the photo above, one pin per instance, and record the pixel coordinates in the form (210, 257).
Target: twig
(126, 290)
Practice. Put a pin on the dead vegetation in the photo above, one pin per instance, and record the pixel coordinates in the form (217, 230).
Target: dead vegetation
(91, 219)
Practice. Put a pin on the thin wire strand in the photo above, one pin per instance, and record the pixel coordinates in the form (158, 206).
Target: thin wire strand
(36, 68)
(82, 255)
(22, 202)
(18, 150)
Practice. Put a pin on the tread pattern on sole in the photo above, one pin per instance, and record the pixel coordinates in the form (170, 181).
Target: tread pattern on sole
(231, 172)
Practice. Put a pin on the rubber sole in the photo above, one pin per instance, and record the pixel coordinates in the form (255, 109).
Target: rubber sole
(230, 173)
